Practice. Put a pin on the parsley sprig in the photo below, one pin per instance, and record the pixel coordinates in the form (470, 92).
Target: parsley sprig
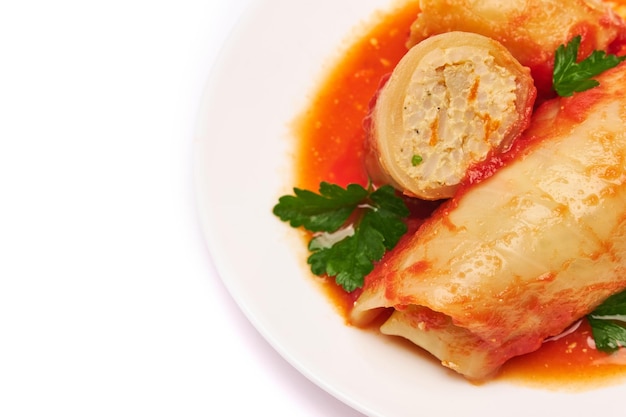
(354, 227)
(607, 323)
(571, 77)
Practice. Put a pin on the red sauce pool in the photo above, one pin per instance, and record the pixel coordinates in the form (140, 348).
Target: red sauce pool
(331, 138)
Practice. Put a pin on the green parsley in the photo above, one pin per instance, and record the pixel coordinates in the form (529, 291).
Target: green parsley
(416, 160)
(354, 227)
(570, 77)
(608, 323)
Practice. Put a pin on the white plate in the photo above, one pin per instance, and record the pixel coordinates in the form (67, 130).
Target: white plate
(243, 164)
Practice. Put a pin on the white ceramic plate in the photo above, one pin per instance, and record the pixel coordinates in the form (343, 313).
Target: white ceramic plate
(263, 79)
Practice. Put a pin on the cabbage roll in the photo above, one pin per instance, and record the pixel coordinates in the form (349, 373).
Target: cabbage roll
(450, 102)
(531, 29)
(522, 253)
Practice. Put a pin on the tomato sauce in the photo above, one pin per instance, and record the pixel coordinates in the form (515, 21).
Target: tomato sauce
(331, 132)
(331, 138)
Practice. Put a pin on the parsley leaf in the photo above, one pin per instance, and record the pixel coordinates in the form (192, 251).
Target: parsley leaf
(608, 334)
(570, 77)
(326, 211)
(388, 210)
(350, 259)
(346, 253)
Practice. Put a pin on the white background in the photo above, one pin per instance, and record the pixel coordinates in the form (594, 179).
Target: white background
(109, 302)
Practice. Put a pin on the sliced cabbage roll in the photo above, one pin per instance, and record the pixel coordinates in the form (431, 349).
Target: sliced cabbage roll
(522, 253)
(531, 29)
(451, 101)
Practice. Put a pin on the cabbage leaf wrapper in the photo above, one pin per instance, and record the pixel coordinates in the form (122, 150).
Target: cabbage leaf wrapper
(518, 256)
